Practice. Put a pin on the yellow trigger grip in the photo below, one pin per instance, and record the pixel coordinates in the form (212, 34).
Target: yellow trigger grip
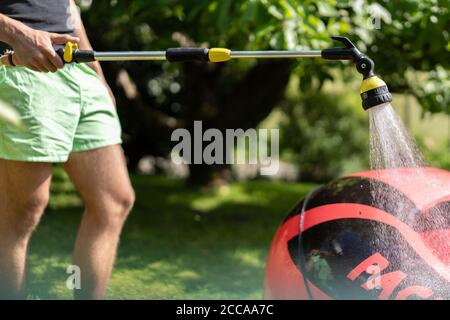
(68, 51)
(219, 55)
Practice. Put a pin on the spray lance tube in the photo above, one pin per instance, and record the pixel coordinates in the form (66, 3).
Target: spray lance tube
(373, 90)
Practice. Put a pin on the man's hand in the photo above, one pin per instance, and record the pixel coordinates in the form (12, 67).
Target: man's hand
(34, 49)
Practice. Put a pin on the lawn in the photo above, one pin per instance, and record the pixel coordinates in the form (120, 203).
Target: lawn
(178, 243)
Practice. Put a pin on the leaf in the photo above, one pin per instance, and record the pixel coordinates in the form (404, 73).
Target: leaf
(326, 9)
(275, 12)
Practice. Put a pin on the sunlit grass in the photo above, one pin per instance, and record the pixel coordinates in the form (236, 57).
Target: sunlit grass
(178, 242)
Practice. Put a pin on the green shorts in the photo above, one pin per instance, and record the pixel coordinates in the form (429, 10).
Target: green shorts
(63, 112)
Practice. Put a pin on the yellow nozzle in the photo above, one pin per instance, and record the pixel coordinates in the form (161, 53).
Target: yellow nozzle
(373, 92)
(68, 51)
(219, 55)
(371, 83)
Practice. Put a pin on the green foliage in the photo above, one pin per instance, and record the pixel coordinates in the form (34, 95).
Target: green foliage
(439, 158)
(176, 244)
(410, 49)
(63, 190)
(321, 132)
(413, 35)
(416, 40)
(434, 93)
(436, 155)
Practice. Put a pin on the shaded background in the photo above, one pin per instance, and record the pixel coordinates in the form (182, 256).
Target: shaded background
(204, 231)
(315, 103)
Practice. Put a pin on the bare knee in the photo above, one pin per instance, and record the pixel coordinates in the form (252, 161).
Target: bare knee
(113, 210)
(26, 213)
(124, 202)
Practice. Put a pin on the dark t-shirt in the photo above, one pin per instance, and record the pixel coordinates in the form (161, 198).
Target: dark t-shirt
(45, 15)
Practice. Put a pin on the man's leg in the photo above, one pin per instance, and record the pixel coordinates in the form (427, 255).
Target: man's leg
(102, 179)
(24, 192)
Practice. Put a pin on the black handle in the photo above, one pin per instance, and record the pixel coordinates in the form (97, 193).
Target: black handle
(187, 54)
(60, 53)
(83, 56)
(363, 64)
(338, 54)
(350, 52)
(78, 56)
(344, 40)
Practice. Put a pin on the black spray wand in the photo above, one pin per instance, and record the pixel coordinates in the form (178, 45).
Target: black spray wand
(373, 90)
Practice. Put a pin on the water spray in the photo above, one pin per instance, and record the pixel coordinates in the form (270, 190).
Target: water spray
(374, 91)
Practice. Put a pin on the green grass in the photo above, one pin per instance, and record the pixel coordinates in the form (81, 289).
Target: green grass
(178, 243)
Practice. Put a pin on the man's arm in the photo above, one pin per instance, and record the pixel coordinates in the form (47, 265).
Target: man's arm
(32, 48)
(85, 44)
(8, 28)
